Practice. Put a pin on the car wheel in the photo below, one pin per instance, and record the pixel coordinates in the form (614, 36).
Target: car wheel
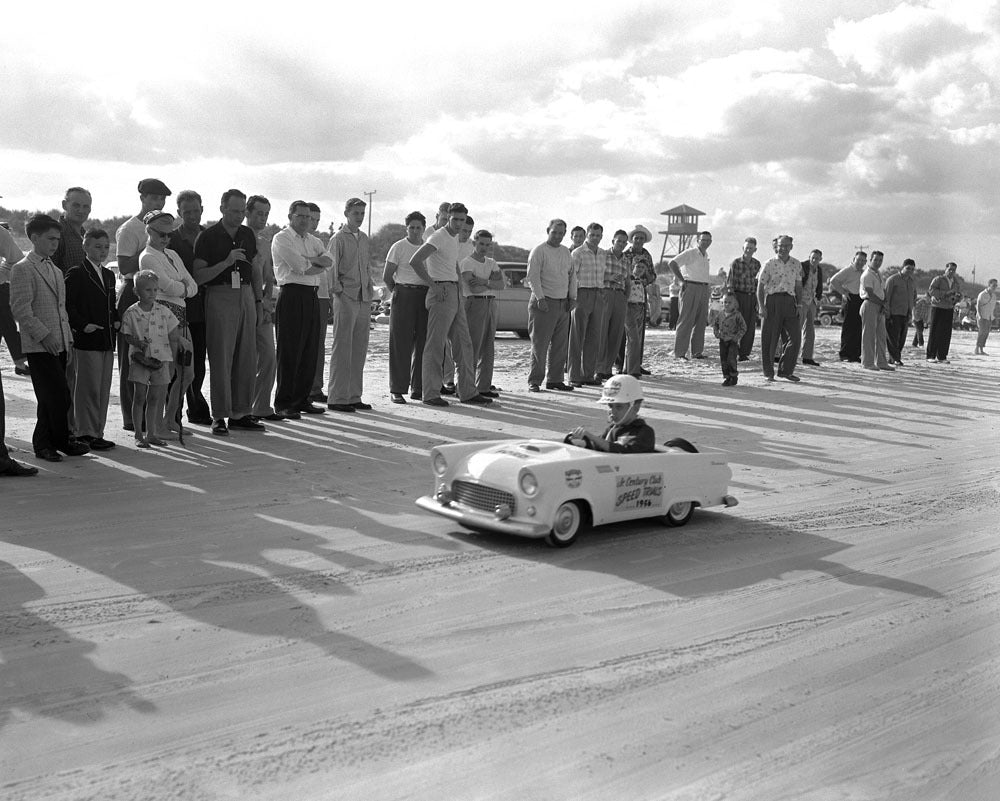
(523, 334)
(566, 526)
(825, 319)
(679, 513)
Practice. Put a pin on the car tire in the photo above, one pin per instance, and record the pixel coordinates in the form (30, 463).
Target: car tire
(825, 319)
(567, 525)
(679, 513)
(523, 334)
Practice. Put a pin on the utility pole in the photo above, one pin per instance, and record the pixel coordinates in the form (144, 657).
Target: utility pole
(370, 204)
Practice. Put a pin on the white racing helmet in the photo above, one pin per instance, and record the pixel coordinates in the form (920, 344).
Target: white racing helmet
(621, 389)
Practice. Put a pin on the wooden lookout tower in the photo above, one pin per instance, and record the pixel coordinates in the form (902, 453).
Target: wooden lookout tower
(682, 229)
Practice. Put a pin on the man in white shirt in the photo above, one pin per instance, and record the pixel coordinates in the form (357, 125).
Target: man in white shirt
(873, 314)
(258, 210)
(436, 262)
(986, 303)
(298, 271)
(408, 320)
(325, 305)
(553, 294)
(481, 278)
(692, 268)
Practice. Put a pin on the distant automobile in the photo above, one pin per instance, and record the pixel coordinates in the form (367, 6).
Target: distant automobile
(829, 311)
(512, 300)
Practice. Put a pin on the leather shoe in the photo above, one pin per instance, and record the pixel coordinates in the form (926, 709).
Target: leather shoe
(22, 369)
(644, 371)
(489, 393)
(247, 423)
(448, 389)
(308, 408)
(534, 388)
(560, 386)
(289, 414)
(49, 455)
(416, 395)
(219, 428)
(319, 397)
(435, 402)
(789, 377)
(397, 397)
(75, 448)
(341, 407)
(811, 362)
(98, 443)
(198, 421)
(361, 406)
(576, 384)
(274, 417)
(479, 400)
(12, 468)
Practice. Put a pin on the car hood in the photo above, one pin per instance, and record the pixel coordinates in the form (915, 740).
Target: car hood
(506, 459)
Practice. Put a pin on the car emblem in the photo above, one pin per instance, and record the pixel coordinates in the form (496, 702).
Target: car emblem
(574, 478)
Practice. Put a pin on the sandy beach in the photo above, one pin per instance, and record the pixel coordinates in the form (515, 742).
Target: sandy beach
(269, 616)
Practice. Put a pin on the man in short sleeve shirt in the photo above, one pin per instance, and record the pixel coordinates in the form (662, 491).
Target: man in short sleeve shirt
(223, 267)
(693, 269)
(779, 292)
(847, 283)
(742, 282)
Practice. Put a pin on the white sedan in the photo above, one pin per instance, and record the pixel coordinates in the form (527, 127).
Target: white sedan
(540, 488)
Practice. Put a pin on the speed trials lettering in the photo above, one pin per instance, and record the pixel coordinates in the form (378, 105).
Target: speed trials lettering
(638, 492)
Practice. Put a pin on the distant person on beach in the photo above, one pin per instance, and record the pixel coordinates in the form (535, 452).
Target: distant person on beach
(730, 328)
(38, 303)
(131, 239)
(298, 269)
(986, 304)
(587, 318)
(616, 281)
(351, 290)
(224, 266)
(900, 299)
(93, 318)
(408, 317)
(873, 314)
(847, 283)
(779, 293)
(258, 211)
(741, 282)
(945, 291)
(812, 292)
(482, 279)
(692, 268)
(921, 319)
(317, 248)
(642, 274)
(182, 239)
(553, 294)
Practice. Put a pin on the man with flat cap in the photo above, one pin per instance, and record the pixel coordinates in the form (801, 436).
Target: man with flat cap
(130, 241)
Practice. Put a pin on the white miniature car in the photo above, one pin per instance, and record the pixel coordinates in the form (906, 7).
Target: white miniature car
(540, 488)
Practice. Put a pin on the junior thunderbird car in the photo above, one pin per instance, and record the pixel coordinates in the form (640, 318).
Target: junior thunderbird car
(540, 488)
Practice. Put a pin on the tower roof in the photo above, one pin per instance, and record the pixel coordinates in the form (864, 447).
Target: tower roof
(685, 210)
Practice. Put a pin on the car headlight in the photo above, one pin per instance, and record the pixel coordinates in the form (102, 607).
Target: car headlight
(528, 483)
(440, 463)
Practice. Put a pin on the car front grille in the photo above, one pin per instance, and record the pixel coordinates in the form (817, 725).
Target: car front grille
(481, 497)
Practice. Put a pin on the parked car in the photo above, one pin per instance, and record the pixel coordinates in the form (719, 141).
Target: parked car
(512, 300)
(829, 311)
(540, 488)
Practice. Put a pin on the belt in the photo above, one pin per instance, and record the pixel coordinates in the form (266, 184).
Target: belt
(446, 282)
(697, 283)
(615, 289)
(226, 285)
(418, 286)
(481, 297)
(293, 285)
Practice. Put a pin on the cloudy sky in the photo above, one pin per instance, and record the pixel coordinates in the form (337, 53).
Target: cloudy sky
(842, 123)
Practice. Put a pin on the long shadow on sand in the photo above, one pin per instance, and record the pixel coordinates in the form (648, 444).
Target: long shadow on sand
(712, 555)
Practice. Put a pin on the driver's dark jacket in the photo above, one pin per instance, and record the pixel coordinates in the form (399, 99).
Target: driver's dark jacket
(633, 437)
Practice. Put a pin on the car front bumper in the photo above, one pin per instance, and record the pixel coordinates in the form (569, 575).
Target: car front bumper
(477, 519)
